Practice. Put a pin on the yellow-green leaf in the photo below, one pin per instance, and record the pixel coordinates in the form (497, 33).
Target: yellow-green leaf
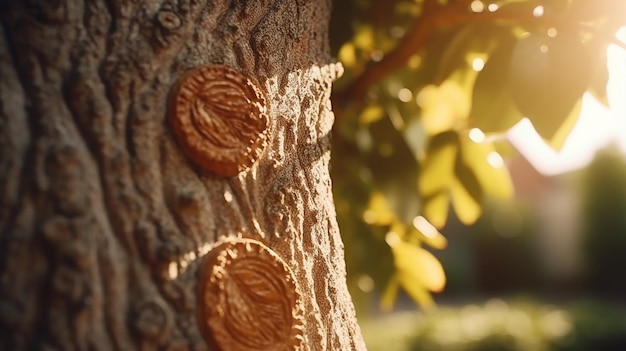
(467, 207)
(436, 175)
(435, 208)
(371, 113)
(547, 79)
(378, 212)
(438, 241)
(347, 55)
(398, 228)
(488, 167)
(428, 233)
(443, 106)
(493, 109)
(437, 169)
(364, 37)
(417, 266)
(565, 129)
(417, 292)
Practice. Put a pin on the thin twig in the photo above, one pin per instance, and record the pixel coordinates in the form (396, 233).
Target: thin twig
(415, 39)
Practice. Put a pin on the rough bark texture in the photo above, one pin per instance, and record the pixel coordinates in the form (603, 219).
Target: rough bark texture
(104, 221)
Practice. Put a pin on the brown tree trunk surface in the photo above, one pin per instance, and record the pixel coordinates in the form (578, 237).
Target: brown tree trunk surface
(104, 221)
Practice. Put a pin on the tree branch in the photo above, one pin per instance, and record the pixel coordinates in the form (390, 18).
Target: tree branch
(433, 17)
(413, 41)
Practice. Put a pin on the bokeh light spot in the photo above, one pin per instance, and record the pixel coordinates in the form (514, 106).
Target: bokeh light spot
(476, 135)
(423, 225)
(477, 6)
(405, 95)
(495, 160)
(478, 64)
(392, 239)
(365, 283)
(377, 55)
(552, 32)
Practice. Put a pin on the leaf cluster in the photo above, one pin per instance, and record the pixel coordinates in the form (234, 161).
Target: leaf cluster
(429, 91)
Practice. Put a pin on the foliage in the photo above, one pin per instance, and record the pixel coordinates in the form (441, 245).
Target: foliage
(429, 89)
(499, 325)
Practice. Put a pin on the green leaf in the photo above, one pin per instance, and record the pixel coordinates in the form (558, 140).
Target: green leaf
(418, 267)
(394, 169)
(364, 37)
(435, 207)
(418, 293)
(494, 179)
(438, 167)
(548, 77)
(371, 113)
(378, 212)
(493, 109)
(414, 137)
(443, 106)
(347, 55)
(436, 175)
(565, 129)
(466, 195)
(453, 55)
(427, 233)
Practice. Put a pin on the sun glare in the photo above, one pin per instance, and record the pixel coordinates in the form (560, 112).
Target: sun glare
(597, 126)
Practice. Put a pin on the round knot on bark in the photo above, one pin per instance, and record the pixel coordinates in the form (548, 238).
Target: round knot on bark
(151, 319)
(219, 118)
(168, 19)
(249, 299)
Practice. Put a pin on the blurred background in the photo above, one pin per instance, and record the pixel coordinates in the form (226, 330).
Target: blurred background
(479, 170)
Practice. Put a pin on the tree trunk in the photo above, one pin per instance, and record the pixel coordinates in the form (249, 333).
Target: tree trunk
(110, 230)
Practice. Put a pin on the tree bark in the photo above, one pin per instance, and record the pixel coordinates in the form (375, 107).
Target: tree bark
(105, 222)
